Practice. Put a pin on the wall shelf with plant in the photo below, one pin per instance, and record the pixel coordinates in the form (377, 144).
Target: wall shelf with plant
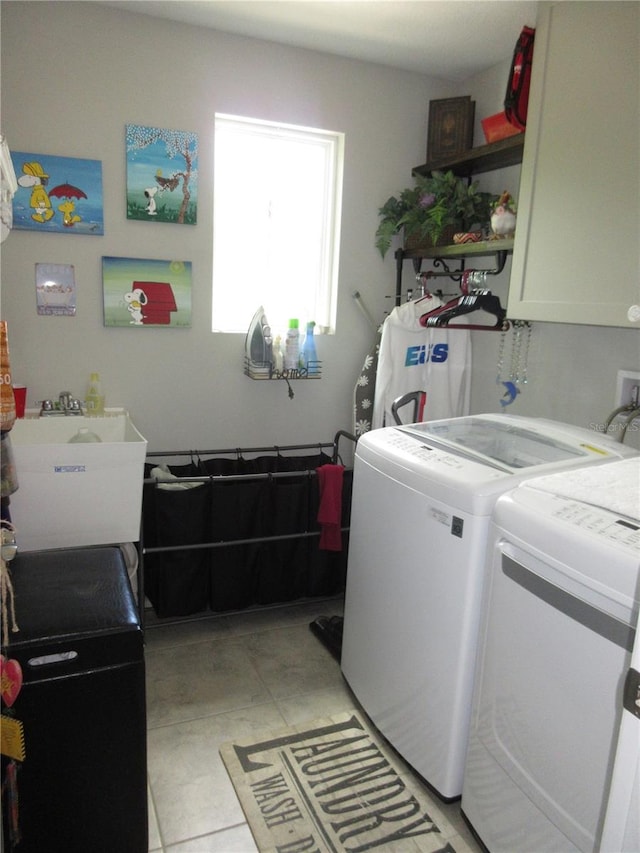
(420, 215)
(440, 205)
(482, 248)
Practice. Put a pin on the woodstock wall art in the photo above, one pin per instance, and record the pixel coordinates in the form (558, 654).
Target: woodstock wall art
(58, 194)
(146, 292)
(162, 175)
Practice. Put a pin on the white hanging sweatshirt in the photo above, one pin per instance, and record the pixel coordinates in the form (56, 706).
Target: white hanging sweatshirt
(414, 358)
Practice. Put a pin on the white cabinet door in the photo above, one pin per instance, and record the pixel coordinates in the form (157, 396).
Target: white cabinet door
(576, 254)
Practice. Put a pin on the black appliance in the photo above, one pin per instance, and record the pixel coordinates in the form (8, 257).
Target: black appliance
(83, 783)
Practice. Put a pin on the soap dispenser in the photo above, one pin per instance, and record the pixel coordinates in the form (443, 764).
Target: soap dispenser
(94, 400)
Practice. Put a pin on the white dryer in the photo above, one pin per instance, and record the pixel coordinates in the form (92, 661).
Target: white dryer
(422, 500)
(559, 617)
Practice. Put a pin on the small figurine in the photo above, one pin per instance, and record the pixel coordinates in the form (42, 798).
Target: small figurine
(503, 218)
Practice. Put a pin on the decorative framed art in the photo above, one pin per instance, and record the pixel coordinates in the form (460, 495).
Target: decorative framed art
(162, 175)
(140, 292)
(450, 129)
(56, 289)
(58, 194)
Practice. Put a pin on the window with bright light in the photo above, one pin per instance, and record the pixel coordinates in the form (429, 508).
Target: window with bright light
(277, 200)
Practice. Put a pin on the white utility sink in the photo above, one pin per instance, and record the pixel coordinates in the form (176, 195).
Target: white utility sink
(72, 495)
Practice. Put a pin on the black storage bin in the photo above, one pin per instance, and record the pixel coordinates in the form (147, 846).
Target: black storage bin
(238, 512)
(177, 582)
(83, 783)
(270, 517)
(282, 574)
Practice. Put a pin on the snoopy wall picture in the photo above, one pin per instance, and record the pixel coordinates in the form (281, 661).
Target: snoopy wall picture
(58, 194)
(144, 293)
(162, 175)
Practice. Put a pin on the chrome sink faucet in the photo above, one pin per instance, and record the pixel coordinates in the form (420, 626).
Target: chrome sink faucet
(67, 405)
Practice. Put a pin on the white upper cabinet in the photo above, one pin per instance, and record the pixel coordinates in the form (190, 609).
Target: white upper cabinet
(576, 256)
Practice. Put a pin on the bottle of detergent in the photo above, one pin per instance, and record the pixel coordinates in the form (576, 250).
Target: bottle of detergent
(308, 355)
(94, 401)
(278, 360)
(292, 346)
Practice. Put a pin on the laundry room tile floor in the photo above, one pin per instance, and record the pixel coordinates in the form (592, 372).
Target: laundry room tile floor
(224, 677)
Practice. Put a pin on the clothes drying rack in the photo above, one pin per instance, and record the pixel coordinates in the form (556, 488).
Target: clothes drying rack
(239, 479)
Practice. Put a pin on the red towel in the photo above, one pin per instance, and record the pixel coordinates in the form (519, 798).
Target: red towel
(330, 509)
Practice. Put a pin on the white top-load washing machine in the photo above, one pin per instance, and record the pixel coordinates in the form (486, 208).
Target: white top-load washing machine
(422, 500)
(559, 617)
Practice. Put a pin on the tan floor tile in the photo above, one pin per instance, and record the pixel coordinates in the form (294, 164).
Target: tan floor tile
(191, 789)
(320, 703)
(154, 832)
(238, 839)
(292, 661)
(190, 631)
(269, 618)
(195, 680)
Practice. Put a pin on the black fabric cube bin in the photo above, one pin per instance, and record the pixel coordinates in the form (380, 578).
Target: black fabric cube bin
(83, 782)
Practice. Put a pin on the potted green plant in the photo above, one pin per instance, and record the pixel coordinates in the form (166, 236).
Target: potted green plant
(437, 201)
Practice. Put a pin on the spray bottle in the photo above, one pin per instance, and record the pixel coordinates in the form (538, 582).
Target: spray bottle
(292, 346)
(308, 355)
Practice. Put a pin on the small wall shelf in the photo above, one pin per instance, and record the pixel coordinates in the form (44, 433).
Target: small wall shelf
(484, 248)
(499, 249)
(484, 158)
(266, 370)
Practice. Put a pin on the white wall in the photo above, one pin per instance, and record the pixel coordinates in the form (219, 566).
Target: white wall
(75, 73)
(72, 76)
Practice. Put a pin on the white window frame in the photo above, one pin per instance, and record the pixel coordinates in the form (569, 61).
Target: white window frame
(246, 266)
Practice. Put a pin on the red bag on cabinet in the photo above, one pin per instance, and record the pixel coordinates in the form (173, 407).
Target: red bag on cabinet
(517, 97)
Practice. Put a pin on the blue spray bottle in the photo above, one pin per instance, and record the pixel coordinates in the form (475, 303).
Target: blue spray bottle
(308, 355)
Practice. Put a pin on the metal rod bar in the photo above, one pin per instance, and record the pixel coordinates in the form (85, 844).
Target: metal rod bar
(240, 450)
(225, 543)
(252, 608)
(336, 442)
(358, 300)
(229, 478)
